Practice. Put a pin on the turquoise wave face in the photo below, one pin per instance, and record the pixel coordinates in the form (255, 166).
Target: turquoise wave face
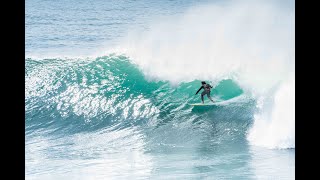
(78, 95)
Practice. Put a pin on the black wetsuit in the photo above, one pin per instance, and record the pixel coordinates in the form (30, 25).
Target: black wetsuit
(207, 88)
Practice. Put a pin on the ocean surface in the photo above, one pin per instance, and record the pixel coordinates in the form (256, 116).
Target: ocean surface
(108, 88)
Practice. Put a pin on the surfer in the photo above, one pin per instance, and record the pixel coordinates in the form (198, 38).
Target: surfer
(207, 88)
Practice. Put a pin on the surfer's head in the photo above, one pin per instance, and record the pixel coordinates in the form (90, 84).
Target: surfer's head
(203, 82)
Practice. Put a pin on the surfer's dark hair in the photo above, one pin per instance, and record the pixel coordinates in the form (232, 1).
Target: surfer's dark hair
(203, 82)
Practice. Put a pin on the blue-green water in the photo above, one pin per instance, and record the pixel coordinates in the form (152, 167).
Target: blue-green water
(108, 117)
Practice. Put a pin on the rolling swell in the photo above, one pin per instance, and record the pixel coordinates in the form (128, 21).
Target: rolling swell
(83, 95)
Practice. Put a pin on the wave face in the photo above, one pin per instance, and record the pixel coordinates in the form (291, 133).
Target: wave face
(80, 95)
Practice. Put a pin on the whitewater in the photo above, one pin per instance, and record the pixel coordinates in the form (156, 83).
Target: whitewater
(108, 87)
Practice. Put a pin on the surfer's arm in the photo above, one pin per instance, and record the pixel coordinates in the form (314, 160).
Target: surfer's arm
(199, 89)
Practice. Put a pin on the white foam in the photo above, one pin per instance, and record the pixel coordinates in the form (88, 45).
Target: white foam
(277, 128)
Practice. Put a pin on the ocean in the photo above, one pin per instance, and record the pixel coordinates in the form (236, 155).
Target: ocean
(108, 88)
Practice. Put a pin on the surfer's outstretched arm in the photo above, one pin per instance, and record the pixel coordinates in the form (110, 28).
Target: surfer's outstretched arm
(199, 90)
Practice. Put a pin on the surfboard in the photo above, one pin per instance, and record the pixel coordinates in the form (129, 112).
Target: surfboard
(206, 104)
(217, 103)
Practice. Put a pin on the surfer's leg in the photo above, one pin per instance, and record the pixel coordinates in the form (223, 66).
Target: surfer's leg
(208, 94)
(202, 94)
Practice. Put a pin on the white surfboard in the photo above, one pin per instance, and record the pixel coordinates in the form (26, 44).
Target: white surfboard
(205, 104)
(220, 102)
